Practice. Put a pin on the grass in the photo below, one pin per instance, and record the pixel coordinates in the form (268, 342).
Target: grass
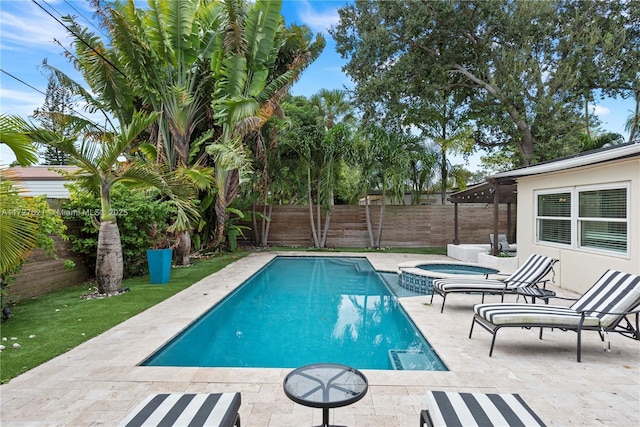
(54, 323)
(51, 324)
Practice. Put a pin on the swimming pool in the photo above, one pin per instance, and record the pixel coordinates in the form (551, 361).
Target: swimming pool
(301, 310)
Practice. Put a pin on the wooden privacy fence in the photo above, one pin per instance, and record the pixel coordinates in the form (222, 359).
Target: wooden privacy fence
(404, 226)
(42, 273)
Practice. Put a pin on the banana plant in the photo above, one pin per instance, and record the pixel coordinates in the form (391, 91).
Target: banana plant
(250, 85)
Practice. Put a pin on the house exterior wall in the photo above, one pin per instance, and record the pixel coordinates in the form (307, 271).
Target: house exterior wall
(578, 269)
(50, 188)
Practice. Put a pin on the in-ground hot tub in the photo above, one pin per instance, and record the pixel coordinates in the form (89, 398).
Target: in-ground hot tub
(418, 276)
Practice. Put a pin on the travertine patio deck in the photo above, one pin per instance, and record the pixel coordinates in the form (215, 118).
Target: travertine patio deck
(99, 382)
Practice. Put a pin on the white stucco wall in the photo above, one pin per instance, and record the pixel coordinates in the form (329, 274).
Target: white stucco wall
(578, 269)
(51, 189)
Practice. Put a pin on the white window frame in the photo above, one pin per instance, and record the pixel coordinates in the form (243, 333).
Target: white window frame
(537, 218)
(575, 219)
(627, 220)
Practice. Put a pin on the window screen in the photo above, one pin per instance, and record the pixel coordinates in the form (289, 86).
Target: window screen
(554, 217)
(602, 219)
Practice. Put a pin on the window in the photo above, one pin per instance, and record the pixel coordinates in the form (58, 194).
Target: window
(554, 217)
(599, 221)
(602, 219)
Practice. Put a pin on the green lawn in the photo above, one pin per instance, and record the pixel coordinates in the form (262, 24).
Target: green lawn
(52, 324)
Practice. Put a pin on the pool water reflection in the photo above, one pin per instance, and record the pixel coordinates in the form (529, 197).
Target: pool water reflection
(303, 310)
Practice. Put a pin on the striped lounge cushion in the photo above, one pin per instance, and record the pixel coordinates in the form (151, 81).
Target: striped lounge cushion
(613, 293)
(469, 285)
(479, 409)
(186, 410)
(534, 269)
(518, 314)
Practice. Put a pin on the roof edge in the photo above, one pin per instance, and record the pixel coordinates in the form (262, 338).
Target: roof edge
(631, 149)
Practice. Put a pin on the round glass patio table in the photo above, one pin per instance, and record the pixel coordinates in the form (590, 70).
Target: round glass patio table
(325, 385)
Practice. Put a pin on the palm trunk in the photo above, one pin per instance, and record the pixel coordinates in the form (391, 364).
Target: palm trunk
(266, 223)
(183, 249)
(325, 231)
(109, 267)
(380, 221)
(316, 241)
(368, 216)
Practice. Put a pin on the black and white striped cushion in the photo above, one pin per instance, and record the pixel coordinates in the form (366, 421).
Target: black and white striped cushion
(479, 409)
(519, 314)
(532, 271)
(469, 285)
(219, 409)
(614, 292)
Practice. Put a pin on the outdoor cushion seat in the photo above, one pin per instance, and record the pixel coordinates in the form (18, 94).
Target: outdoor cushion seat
(603, 308)
(175, 409)
(530, 273)
(477, 409)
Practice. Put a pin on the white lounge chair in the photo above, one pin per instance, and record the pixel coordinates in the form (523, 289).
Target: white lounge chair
(531, 273)
(602, 308)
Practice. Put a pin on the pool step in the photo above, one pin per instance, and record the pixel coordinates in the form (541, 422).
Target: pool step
(409, 360)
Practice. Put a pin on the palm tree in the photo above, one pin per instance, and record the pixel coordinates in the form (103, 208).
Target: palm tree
(332, 106)
(384, 158)
(252, 78)
(18, 229)
(98, 158)
(161, 54)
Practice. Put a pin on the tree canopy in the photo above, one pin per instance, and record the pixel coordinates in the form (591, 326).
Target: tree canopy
(527, 70)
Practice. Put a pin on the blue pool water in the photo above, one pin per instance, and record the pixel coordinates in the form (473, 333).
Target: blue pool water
(457, 269)
(302, 310)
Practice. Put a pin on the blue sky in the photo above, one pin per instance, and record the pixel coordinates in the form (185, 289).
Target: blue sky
(27, 35)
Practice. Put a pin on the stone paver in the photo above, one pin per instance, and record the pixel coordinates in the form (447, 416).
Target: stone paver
(99, 382)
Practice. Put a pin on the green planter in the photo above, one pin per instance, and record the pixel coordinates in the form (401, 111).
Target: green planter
(159, 261)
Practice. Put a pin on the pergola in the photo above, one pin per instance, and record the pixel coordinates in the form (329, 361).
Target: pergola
(494, 191)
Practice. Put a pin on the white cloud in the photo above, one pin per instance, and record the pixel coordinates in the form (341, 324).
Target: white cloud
(20, 103)
(30, 28)
(599, 110)
(318, 21)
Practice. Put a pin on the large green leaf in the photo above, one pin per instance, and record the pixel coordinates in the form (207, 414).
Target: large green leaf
(17, 227)
(262, 25)
(234, 71)
(180, 26)
(12, 135)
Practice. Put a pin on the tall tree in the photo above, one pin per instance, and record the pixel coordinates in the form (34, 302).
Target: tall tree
(58, 104)
(514, 57)
(384, 161)
(97, 155)
(253, 75)
(333, 107)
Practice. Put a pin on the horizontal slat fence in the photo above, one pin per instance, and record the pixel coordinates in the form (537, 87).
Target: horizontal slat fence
(403, 226)
(41, 273)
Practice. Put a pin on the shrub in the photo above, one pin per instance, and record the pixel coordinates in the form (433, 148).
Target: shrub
(136, 210)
